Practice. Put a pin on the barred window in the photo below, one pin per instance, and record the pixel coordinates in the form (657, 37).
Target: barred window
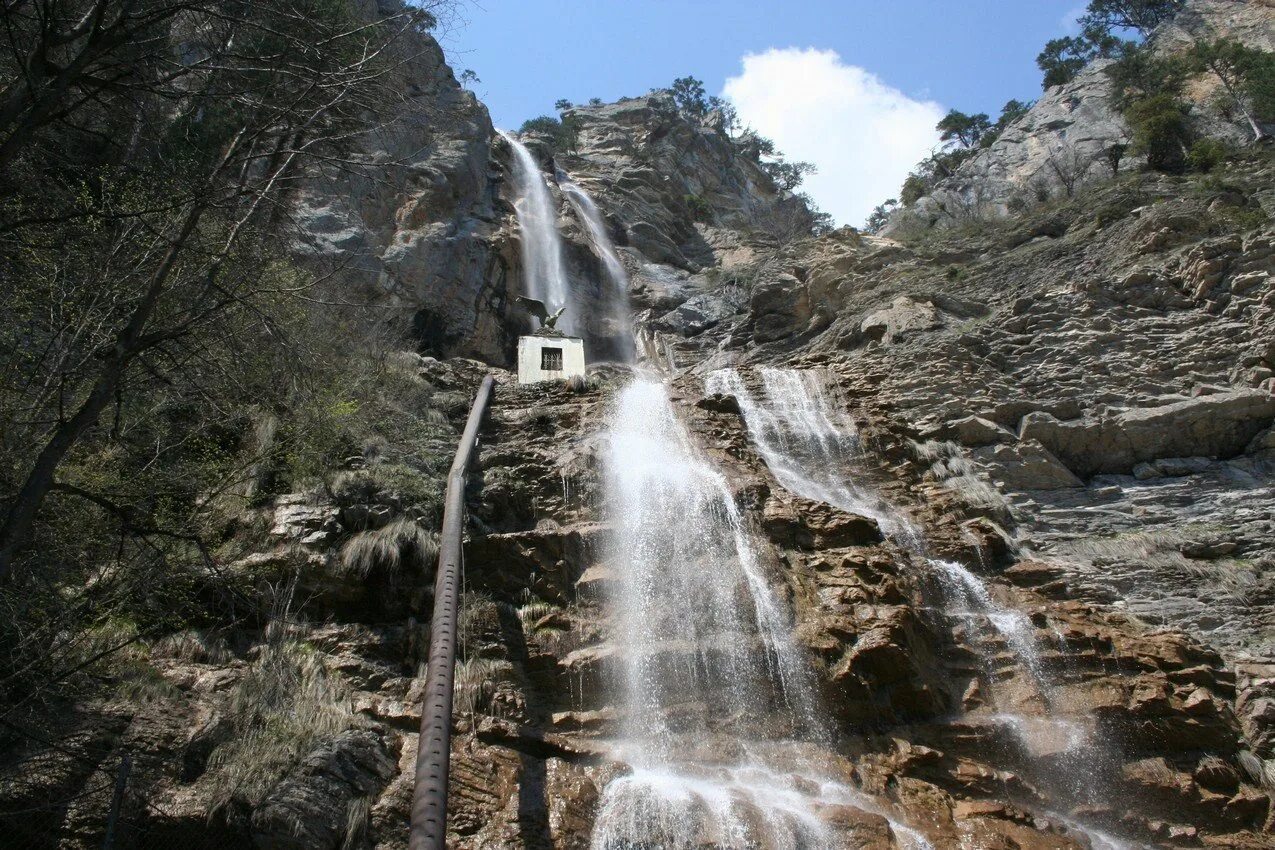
(551, 359)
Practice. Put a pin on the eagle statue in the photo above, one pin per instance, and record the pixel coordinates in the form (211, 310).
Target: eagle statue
(538, 309)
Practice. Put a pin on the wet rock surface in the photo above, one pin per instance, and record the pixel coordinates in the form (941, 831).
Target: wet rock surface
(1076, 408)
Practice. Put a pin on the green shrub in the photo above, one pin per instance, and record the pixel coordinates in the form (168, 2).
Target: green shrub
(1207, 154)
(1160, 131)
(699, 208)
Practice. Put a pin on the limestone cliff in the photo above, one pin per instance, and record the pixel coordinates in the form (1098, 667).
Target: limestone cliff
(1073, 405)
(1058, 145)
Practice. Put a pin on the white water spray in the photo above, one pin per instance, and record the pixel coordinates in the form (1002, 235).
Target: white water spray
(718, 719)
(809, 450)
(617, 290)
(544, 276)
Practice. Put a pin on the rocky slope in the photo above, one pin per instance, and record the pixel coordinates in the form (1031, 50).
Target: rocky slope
(1059, 144)
(1075, 404)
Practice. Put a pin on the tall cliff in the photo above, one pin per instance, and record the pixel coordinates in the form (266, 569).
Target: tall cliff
(1059, 145)
(1044, 622)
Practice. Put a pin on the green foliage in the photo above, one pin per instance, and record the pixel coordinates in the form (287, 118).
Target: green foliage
(1161, 131)
(700, 209)
(689, 97)
(1113, 155)
(1146, 87)
(788, 175)
(1207, 154)
(915, 187)
(1064, 58)
(1140, 15)
(564, 133)
(964, 130)
(880, 215)
(1011, 112)
(1142, 73)
(562, 105)
(1246, 73)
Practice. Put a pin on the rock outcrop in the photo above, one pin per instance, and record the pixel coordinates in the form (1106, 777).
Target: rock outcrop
(1060, 144)
(1075, 407)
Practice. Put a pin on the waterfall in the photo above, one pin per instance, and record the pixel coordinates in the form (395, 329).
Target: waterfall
(544, 276)
(718, 719)
(804, 445)
(809, 449)
(617, 289)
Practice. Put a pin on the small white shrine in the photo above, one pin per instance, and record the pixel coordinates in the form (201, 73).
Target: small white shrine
(548, 355)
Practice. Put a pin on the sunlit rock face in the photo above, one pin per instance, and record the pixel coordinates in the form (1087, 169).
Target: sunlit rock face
(958, 543)
(1060, 144)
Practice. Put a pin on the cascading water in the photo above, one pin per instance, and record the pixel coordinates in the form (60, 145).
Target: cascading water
(617, 292)
(804, 447)
(544, 276)
(808, 450)
(718, 712)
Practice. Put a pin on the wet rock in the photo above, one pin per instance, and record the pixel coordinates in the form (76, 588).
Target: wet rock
(815, 525)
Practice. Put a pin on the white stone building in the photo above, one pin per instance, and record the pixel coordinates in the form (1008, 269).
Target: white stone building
(549, 357)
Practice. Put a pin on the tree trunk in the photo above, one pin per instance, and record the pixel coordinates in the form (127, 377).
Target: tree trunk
(128, 344)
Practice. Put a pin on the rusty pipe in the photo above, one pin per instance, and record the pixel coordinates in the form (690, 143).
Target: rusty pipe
(433, 753)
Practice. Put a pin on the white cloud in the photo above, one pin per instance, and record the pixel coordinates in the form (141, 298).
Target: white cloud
(862, 134)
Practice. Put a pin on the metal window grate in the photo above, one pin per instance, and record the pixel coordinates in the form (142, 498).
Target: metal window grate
(551, 359)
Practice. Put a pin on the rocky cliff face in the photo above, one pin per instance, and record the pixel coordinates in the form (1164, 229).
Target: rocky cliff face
(412, 225)
(1060, 144)
(1075, 405)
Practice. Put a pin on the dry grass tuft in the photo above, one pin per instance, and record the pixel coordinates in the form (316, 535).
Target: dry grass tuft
(286, 704)
(195, 645)
(357, 815)
(959, 475)
(388, 548)
(476, 681)
(582, 383)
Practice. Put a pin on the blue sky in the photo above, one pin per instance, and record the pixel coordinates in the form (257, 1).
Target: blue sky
(884, 64)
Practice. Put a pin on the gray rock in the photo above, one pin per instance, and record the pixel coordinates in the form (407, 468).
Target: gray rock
(975, 431)
(295, 518)
(1026, 465)
(1215, 426)
(780, 306)
(1059, 144)
(905, 316)
(310, 808)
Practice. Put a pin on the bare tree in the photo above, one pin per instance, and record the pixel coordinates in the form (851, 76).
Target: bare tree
(1069, 166)
(230, 103)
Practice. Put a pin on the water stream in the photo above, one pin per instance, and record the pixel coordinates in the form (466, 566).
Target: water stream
(810, 450)
(616, 292)
(718, 716)
(544, 276)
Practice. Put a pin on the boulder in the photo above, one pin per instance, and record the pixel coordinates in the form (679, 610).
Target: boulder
(905, 316)
(1215, 426)
(779, 306)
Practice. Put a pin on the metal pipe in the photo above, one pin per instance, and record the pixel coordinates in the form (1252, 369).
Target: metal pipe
(433, 753)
